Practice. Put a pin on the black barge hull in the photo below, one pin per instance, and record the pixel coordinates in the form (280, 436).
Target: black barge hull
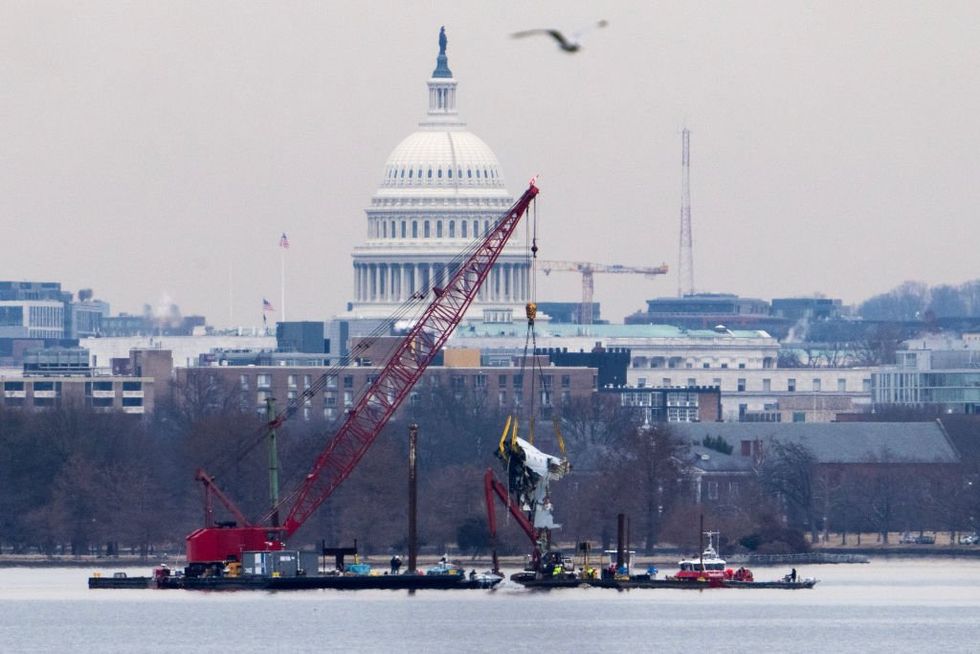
(548, 583)
(337, 582)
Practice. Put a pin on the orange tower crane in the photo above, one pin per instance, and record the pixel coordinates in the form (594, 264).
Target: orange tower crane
(588, 283)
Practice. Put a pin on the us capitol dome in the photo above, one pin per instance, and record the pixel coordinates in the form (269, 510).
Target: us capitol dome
(441, 189)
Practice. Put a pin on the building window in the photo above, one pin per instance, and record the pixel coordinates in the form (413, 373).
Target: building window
(425, 229)
(330, 398)
(641, 382)
(403, 229)
(799, 416)
(724, 365)
(733, 490)
(866, 385)
(712, 490)
(291, 381)
(706, 365)
(331, 381)
(766, 385)
(243, 382)
(438, 229)
(741, 385)
(791, 385)
(691, 381)
(329, 413)
(348, 399)
(452, 229)
(566, 381)
(415, 229)
(665, 381)
(480, 381)
(741, 366)
(566, 398)
(462, 227)
(746, 448)
(348, 381)
(816, 385)
(263, 381)
(841, 385)
(518, 382)
(501, 398)
(502, 381)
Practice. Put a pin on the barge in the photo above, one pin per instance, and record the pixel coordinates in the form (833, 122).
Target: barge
(293, 570)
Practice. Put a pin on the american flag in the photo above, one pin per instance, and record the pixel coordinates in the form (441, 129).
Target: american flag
(283, 241)
(267, 306)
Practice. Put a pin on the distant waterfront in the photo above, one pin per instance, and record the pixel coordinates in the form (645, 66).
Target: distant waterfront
(888, 606)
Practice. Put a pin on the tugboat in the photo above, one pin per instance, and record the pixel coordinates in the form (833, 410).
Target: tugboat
(709, 567)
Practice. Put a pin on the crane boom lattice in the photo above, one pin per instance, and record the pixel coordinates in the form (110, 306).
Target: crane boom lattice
(403, 369)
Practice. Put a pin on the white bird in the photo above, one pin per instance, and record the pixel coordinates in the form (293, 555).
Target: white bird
(572, 44)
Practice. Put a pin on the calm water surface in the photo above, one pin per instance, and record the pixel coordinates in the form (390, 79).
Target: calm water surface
(887, 606)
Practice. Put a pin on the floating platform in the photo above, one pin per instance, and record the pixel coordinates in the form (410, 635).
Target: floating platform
(530, 580)
(337, 582)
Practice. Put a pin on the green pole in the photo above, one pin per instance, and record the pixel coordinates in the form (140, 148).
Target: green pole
(270, 414)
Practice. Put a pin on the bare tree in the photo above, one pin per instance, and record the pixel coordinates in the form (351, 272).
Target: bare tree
(789, 471)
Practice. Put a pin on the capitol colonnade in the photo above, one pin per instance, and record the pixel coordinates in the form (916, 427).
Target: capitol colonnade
(397, 282)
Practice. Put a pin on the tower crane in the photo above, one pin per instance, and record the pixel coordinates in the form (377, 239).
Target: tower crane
(588, 283)
(215, 543)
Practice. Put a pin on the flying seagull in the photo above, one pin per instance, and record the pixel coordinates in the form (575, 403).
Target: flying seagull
(572, 44)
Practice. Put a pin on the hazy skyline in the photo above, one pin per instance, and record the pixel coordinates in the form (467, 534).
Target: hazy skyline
(155, 150)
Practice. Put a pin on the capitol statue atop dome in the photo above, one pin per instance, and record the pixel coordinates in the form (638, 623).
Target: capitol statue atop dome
(442, 40)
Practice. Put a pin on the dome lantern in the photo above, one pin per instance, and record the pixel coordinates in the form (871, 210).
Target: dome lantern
(442, 89)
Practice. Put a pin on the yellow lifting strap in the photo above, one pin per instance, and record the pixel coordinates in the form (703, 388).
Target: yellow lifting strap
(558, 436)
(503, 436)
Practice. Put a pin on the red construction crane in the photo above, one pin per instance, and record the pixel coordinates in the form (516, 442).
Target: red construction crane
(212, 545)
(588, 283)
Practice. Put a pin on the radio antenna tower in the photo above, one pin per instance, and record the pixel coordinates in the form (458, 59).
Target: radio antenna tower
(685, 282)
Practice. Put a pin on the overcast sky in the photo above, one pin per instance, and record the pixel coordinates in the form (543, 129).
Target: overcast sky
(155, 150)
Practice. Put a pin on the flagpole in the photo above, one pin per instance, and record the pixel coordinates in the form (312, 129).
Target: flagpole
(231, 293)
(282, 278)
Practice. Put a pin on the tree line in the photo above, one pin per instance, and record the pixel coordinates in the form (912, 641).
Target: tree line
(77, 481)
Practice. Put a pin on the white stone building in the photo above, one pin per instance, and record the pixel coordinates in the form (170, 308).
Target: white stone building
(442, 189)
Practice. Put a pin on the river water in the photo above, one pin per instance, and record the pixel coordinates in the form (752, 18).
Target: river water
(885, 606)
